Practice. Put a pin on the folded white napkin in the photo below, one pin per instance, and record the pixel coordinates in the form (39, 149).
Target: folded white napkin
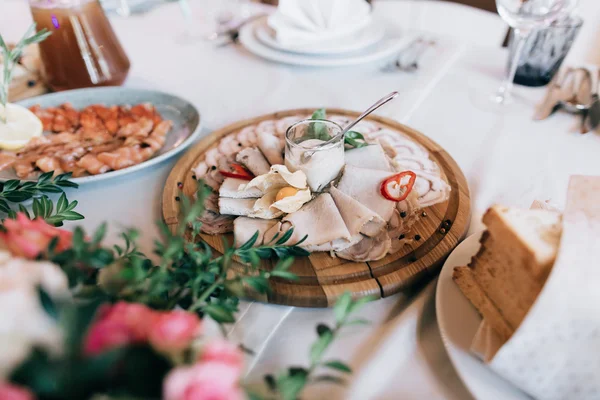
(303, 22)
(554, 354)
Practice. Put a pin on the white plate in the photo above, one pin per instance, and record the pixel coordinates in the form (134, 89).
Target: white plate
(385, 48)
(185, 117)
(458, 321)
(366, 37)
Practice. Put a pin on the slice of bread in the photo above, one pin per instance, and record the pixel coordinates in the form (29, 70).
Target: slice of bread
(507, 274)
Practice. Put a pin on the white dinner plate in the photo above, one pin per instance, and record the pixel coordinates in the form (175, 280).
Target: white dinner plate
(381, 50)
(458, 321)
(355, 41)
(185, 117)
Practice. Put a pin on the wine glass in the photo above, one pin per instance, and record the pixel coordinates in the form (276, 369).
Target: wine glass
(525, 16)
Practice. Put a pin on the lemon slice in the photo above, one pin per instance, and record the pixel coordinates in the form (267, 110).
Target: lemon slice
(22, 125)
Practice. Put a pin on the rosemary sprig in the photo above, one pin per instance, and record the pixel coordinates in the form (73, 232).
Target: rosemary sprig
(16, 191)
(288, 385)
(11, 58)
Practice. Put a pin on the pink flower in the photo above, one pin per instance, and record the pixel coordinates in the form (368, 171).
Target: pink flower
(174, 331)
(13, 392)
(106, 335)
(28, 238)
(118, 325)
(223, 351)
(211, 380)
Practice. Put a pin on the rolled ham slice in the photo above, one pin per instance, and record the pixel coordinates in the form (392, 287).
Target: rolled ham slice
(241, 207)
(271, 146)
(230, 189)
(364, 185)
(244, 228)
(320, 220)
(254, 160)
(372, 157)
(358, 218)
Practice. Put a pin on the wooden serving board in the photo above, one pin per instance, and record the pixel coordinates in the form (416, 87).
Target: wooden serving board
(322, 278)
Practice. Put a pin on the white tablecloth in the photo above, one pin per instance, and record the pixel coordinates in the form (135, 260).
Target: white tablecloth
(507, 158)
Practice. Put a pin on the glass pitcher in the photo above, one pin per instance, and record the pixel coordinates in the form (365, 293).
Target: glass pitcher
(83, 50)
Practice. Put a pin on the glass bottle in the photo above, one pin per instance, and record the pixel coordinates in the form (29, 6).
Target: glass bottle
(83, 50)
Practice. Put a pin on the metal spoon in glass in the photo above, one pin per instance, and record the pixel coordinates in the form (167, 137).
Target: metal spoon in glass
(308, 154)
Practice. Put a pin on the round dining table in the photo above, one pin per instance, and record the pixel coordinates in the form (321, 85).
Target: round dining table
(507, 157)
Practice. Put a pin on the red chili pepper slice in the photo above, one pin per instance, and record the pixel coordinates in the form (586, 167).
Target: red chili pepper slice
(240, 173)
(397, 183)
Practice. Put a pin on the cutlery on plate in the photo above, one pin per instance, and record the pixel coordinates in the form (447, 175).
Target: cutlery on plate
(231, 35)
(396, 63)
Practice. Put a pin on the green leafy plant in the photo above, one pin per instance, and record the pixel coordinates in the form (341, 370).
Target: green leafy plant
(288, 384)
(17, 192)
(10, 59)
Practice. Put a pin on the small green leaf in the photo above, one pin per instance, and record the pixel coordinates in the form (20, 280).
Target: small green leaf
(355, 139)
(339, 366)
(319, 114)
(219, 313)
(285, 237)
(78, 238)
(293, 371)
(45, 177)
(258, 283)
(249, 243)
(285, 275)
(319, 347)
(99, 234)
(322, 329)
(62, 203)
(4, 206)
(290, 386)
(342, 306)
(358, 303)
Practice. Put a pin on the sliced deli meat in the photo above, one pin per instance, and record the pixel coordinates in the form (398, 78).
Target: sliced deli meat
(271, 146)
(318, 219)
(358, 218)
(244, 229)
(372, 157)
(254, 160)
(364, 185)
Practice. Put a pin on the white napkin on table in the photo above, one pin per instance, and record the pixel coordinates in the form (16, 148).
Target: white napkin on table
(303, 22)
(555, 352)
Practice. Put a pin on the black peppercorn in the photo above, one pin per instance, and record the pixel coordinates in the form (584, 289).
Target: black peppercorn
(442, 230)
(402, 236)
(424, 214)
(30, 83)
(179, 185)
(417, 237)
(213, 167)
(177, 198)
(402, 214)
(193, 176)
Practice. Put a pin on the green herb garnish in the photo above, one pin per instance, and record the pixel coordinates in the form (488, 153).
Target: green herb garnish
(355, 139)
(318, 130)
(11, 58)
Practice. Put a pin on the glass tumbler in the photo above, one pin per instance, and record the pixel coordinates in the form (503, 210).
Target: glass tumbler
(545, 50)
(315, 147)
(83, 50)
